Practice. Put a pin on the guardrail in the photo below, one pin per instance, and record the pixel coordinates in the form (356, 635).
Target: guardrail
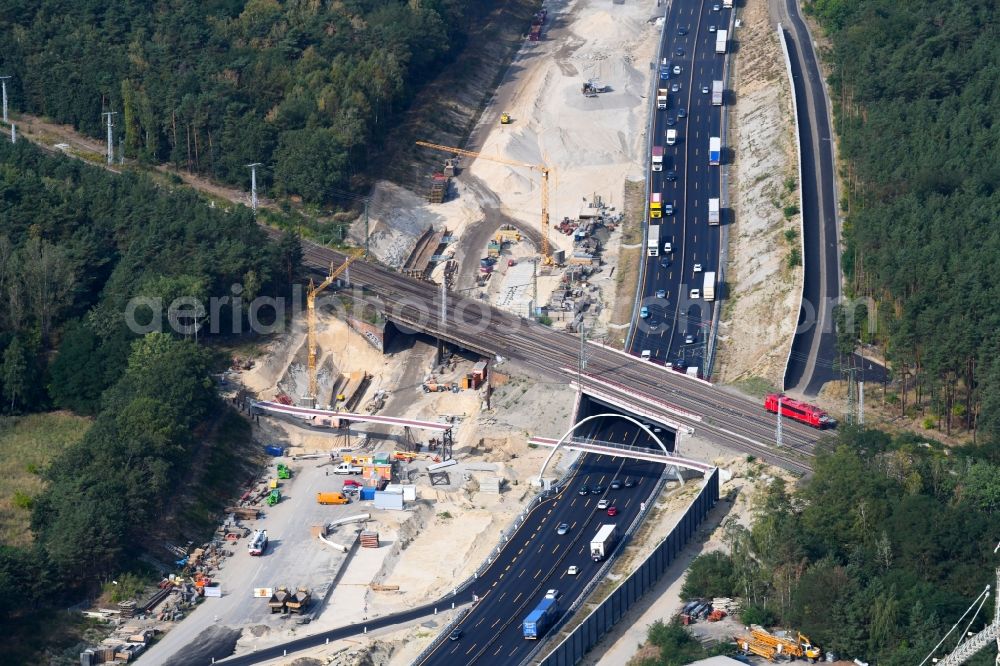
(450, 627)
(610, 611)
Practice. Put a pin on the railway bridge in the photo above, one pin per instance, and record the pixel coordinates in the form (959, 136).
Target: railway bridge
(606, 375)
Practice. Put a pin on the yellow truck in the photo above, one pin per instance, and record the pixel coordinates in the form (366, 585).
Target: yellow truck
(655, 205)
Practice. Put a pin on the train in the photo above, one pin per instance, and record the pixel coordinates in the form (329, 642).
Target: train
(799, 411)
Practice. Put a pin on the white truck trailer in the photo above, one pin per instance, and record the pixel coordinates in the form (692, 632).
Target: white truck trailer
(603, 542)
(721, 36)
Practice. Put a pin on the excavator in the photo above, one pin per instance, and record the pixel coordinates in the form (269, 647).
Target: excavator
(811, 652)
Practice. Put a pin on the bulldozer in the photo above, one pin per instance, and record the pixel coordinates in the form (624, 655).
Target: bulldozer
(283, 471)
(273, 497)
(505, 118)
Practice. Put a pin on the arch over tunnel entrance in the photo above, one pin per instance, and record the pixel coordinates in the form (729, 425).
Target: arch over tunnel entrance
(592, 417)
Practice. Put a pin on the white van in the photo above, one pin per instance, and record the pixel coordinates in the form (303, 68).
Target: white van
(645, 355)
(671, 137)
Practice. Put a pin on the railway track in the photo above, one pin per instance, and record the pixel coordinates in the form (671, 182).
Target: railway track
(725, 418)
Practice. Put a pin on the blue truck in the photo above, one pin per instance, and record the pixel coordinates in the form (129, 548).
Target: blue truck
(540, 619)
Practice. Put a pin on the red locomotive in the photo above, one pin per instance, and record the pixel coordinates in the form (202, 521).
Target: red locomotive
(799, 411)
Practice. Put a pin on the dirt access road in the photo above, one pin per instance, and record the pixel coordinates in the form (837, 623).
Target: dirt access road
(50, 135)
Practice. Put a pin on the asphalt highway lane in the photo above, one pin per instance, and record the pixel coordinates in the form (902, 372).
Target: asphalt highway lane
(538, 558)
(678, 325)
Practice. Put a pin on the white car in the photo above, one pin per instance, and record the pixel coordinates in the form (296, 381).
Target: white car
(573, 570)
(677, 69)
(667, 247)
(697, 268)
(552, 594)
(711, 28)
(603, 504)
(695, 294)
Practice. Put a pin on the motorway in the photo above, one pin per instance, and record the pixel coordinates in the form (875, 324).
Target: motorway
(537, 558)
(679, 326)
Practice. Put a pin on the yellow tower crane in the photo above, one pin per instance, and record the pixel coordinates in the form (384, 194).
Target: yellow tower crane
(541, 168)
(314, 291)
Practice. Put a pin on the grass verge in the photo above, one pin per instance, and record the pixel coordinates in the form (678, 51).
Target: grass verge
(755, 386)
(629, 261)
(27, 445)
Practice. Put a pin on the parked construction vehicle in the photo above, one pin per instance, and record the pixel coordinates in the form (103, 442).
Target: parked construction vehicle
(283, 471)
(812, 653)
(505, 118)
(592, 87)
(278, 600)
(298, 602)
(273, 497)
(798, 647)
(748, 645)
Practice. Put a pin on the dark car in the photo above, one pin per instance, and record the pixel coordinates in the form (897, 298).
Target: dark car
(583, 490)
(664, 73)
(670, 121)
(630, 482)
(682, 31)
(679, 365)
(670, 175)
(665, 263)
(682, 112)
(597, 490)
(616, 484)
(679, 51)
(455, 635)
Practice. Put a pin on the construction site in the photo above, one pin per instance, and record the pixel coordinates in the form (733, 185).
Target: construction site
(347, 519)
